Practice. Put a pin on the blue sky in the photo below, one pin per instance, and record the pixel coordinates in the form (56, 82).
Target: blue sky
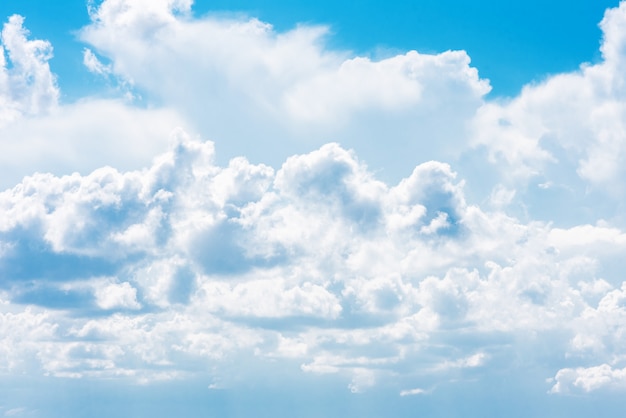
(278, 209)
(511, 43)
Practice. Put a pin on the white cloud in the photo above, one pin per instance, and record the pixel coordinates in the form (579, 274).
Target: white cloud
(314, 261)
(83, 137)
(117, 295)
(25, 332)
(412, 392)
(39, 134)
(93, 64)
(588, 379)
(27, 86)
(475, 360)
(587, 236)
(269, 298)
(569, 125)
(292, 91)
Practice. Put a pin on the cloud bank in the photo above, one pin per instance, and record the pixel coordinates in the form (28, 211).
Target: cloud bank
(146, 273)
(132, 250)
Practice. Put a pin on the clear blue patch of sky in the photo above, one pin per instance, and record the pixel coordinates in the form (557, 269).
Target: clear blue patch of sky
(510, 42)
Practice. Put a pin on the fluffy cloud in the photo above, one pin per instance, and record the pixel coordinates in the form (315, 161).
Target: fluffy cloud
(567, 125)
(588, 379)
(113, 296)
(27, 86)
(163, 263)
(40, 134)
(24, 332)
(269, 95)
(318, 262)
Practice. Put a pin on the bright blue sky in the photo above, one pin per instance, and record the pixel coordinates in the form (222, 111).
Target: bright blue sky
(227, 210)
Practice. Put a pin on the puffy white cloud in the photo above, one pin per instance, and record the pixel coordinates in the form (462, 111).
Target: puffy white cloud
(268, 299)
(113, 295)
(160, 264)
(316, 262)
(588, 379)
(27, 86)
(289, 89)
(40, 134)
(569, 125)
(24, 333)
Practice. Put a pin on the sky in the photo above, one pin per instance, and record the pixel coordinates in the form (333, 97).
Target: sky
(355, 209)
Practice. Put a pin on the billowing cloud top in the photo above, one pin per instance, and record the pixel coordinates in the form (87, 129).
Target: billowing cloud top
(132, 250)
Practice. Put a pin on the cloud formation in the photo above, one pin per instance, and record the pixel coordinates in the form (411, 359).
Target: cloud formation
(157, 263)
(567, 125)
(318, 262)
(27, 87)
(269, 95)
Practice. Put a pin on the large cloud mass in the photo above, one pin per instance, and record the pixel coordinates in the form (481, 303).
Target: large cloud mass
(154, 263)
(567, 129)
(147, 272)
(272, 94)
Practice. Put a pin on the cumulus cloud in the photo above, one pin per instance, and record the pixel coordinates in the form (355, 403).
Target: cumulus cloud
(27, 86)
(164, 263)
(318, 261)
(569, 125)
(113, 295)
(25, 332)
(292, 91)
(38, 134)
(589, 378)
